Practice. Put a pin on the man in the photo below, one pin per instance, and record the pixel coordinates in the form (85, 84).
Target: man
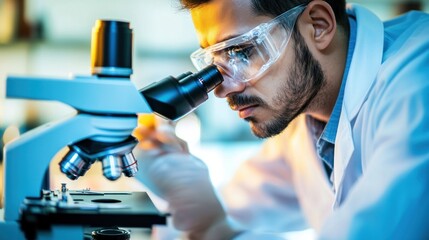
(346, 97)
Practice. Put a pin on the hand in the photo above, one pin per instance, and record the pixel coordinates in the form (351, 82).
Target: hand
(157, 134)
(169, 171)
(183, 181)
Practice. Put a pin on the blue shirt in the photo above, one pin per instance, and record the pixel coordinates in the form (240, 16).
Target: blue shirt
(326, 142)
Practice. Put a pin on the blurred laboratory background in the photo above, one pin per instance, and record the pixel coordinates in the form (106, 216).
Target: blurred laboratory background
(52, 38)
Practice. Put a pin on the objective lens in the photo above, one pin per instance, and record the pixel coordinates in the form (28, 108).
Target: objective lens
(129, 165)
(112, 168)
(73, 165)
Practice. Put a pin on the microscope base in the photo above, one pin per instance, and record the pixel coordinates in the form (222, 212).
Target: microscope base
(44, 219)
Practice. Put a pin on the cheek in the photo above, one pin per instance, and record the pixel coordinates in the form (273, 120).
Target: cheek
(276, 100)
(273, 84)
(268, 89)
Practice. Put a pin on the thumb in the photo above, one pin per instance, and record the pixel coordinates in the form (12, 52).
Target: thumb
(11, 133)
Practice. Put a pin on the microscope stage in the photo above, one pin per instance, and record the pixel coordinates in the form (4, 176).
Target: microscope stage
(93, 209)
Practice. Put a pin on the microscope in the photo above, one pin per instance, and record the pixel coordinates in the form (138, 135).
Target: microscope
(107, 104)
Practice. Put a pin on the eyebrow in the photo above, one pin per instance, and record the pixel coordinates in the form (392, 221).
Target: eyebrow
(224, 39)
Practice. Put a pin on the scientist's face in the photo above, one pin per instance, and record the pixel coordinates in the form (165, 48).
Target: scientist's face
(271, 100)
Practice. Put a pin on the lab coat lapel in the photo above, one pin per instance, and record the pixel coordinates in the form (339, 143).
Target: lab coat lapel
(344, 148)
(365, 63)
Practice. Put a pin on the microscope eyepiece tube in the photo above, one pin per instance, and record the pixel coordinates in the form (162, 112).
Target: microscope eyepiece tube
(111, 49)
(173, 98)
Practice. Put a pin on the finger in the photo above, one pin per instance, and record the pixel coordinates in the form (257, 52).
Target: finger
(150, 138)
(11, 133)
(143, 132)
(153, 143)
(173, 140)
(154, 131)
(147, 145)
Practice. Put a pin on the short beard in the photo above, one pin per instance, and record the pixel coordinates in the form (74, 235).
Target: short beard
(306, 78)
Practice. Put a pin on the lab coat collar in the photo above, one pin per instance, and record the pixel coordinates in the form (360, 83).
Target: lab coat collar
(365, 64)
(366, 59)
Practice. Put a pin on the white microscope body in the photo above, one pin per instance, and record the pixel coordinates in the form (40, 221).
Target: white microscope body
(107, 111)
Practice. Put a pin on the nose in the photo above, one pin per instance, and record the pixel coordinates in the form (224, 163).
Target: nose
(229, 86)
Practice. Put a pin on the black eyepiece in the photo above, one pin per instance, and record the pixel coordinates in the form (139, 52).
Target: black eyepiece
(173, 98)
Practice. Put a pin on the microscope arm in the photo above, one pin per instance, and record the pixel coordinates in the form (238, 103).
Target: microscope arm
(87, 94)
(28, 157)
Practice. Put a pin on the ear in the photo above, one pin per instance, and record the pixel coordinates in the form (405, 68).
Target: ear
(321, 18)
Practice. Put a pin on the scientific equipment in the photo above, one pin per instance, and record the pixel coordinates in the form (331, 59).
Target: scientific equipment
(107, 104)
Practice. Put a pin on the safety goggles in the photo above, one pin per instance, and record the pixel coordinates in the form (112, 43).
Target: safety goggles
(248, 56)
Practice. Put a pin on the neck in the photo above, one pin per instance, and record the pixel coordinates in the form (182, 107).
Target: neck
(333, 62)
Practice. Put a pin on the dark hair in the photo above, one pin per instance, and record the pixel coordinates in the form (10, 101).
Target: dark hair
(275, 8)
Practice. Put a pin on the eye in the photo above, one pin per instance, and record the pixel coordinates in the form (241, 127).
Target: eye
(241, 51)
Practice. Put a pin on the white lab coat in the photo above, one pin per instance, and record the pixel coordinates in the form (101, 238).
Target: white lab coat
(380, 178)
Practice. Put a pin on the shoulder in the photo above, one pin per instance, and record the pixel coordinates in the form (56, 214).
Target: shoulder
(401, 86)
(405, 64)
(406, 35)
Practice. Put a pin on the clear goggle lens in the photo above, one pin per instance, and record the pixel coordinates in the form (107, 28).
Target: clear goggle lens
(248, 56)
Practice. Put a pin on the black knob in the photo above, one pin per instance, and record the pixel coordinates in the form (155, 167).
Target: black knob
(113, 233)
